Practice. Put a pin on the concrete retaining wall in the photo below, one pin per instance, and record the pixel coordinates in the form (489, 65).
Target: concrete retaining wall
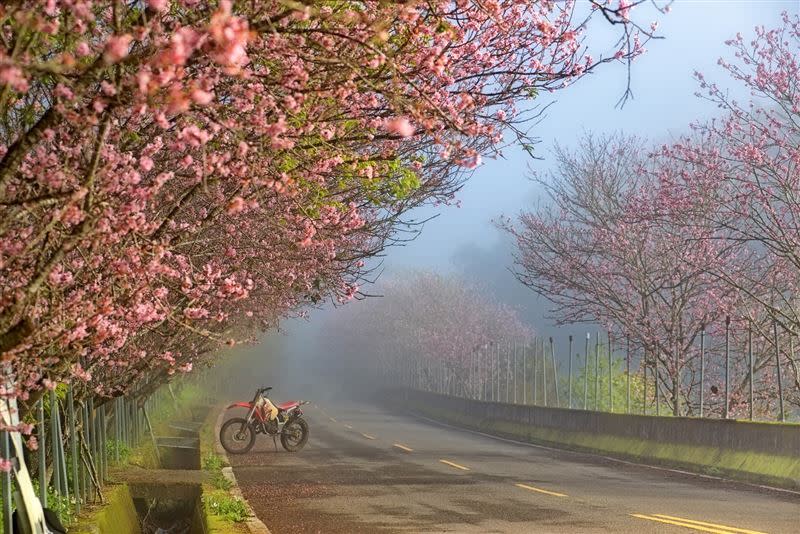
(758, 452)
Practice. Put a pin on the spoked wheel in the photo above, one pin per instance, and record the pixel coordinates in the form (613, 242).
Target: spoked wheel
(236, 436)
(295, 435)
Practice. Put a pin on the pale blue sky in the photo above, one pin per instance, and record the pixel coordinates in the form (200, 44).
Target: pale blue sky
(664, 105)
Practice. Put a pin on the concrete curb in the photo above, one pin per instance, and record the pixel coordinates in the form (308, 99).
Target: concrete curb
(254, 524)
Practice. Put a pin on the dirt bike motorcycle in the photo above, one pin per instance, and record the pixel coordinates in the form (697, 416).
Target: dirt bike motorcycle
(238, 434)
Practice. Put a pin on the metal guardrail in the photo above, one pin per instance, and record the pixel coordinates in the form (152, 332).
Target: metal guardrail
(605, 376)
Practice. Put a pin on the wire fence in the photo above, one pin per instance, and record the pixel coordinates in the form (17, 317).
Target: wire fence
(76, 441)
(731, 371)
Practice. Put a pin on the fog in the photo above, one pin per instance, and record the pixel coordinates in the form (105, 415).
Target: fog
(464, 239)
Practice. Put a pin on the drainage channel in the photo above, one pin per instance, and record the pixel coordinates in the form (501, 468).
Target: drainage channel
(170, 504)
(175, 509)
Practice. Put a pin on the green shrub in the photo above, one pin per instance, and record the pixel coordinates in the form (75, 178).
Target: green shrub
(223, 505)
(61, 505)
(124, 450)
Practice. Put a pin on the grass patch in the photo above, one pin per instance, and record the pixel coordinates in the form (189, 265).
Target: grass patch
(221, 504)
(213, 464)
(114, 445)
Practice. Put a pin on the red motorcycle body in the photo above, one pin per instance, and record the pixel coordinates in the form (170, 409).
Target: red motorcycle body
(237, 434)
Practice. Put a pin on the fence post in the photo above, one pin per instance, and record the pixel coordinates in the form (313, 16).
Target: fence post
(86, 486)
(555, 372)
(702, 368)
(597, 371)
(476, 375)
(569, 386)
(5, 450)
(73, 447)
(750, 362)
(103, 441)
(676, 386)
(96, 444)
(791, 347)
(586, 373)
(62, 460)
(610, 372)
(656, 372)
(535, 371)
(119, 415)
(54, 441)
(471, 383)
(644, 380)
(41, 442)
(544, 373)
(123, 421)
(628, 373)
(728, 364)
(781, 414)
(525, 373)
(508, 372)
(497, 372)
(516, 369)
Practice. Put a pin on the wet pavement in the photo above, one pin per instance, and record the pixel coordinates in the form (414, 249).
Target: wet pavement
(368, 470)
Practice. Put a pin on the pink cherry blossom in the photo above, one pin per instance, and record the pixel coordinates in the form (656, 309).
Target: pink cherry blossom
(225, 174)
(158, 5)
(117, 48)
(400, 126)
(83, 50)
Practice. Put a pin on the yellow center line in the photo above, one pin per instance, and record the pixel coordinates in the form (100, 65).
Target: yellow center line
(452, 464)
(712, 525)
(540, 490)
(682, 524)
(401, 446)
(367, 436)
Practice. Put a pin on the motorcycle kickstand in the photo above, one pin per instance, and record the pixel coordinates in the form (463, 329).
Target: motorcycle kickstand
(275, 442)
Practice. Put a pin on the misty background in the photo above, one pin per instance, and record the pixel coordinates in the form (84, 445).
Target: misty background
(463, 240)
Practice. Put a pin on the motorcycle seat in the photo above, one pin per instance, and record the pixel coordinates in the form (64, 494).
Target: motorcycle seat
(287, 405)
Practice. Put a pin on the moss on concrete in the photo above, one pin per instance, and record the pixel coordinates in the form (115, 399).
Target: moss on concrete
(756, 467)
(117, 516)
(220, 525)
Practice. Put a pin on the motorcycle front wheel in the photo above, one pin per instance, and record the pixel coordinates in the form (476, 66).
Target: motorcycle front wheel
(295, 435)
(236, 436)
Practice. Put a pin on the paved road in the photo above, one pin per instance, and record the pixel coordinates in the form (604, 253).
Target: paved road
(367, 470)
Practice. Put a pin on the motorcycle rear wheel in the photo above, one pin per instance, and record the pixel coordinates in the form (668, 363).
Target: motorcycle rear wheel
(295, 435)
(236, 436)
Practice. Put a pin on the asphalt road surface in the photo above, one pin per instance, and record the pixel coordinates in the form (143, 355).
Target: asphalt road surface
(368, 470)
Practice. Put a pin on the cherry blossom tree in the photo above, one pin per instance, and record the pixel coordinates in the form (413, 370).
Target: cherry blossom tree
(626, 241)
(751, 158)
(176, 175)
(424, 322)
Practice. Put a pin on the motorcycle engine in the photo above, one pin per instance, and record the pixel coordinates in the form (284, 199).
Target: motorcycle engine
(271, 427)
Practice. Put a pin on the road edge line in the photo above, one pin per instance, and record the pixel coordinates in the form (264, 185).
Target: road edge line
(596, 455)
